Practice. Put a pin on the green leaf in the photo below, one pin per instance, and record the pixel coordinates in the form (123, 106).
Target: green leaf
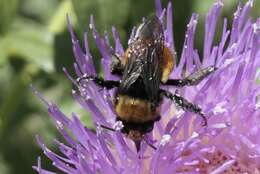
(58, 21)
(12, 99)
(106, 13)
(31, 42)
(8, 9)
(39, 10)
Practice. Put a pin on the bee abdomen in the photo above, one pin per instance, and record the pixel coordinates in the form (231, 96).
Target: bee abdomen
(135, 110)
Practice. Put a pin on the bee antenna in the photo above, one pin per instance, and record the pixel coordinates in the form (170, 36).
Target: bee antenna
(107, 128)
(150, 144)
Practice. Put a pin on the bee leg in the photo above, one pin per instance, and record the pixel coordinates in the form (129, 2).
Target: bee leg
(193, 79)
(184, 104)
(116, 66)
(108, 84)
(107, 128)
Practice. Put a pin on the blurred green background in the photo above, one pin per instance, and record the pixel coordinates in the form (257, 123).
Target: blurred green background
(35, 45)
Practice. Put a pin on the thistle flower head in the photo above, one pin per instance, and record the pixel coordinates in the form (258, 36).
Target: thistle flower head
(229, 98)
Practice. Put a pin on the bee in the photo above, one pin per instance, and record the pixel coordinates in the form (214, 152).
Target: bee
(145, 66)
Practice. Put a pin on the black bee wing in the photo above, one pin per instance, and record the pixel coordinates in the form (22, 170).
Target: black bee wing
(142, 74)
(151, 73)
(144, 68)
(132, 72)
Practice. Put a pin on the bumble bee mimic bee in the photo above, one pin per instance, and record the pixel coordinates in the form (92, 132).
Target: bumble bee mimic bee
(145, 66)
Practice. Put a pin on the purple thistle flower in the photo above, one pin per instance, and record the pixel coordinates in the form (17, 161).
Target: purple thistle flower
(229, 97)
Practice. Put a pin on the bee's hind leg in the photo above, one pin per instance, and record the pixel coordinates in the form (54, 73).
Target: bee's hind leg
(184, 104)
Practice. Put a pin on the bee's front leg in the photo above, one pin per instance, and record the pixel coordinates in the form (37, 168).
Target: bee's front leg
(108, 84)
